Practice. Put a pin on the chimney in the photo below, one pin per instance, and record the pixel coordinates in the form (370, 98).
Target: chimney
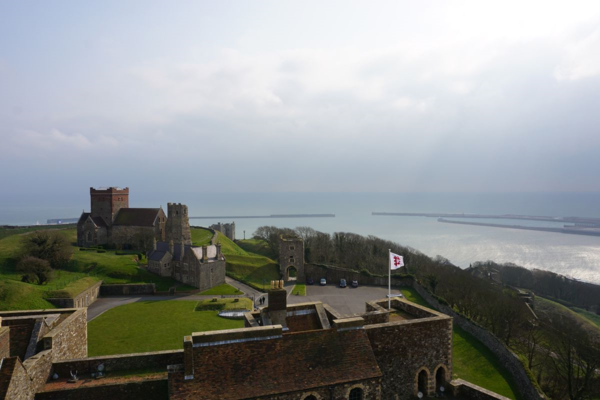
(277, 305)
(218, 250)
(171, 247)
(182, 249)
(204, 253)
(154, 244)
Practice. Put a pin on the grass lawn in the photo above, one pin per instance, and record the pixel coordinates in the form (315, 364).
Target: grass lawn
(255, 271)
(299, 289)
(201, 237)
(242, 303)
(108, 266)
(5, 232)
(74, 288)
(471, 360)
(221, 289)
(256, 246)
(150, 326)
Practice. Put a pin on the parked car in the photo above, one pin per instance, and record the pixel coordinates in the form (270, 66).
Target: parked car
(342, 283)
(309, 281)
(323, 282)
(354, 283)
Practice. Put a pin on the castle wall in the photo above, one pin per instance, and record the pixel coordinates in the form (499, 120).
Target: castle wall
(69, 339)
(180, 390)
(83, 299)
(404, 348)
(334, 274)
(19, 386)
(127, 289)
(151, 389)
(506, 357)
(121, 362)
(4, 342)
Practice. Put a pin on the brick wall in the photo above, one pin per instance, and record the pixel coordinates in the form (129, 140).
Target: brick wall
(122, 362)
(148, 390)
(127, 289)
(506, 357)
(401, 353)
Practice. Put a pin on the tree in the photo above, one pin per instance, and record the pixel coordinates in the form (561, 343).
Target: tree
(433, 281)
(53, 247)
(35, 269)
(575, 357)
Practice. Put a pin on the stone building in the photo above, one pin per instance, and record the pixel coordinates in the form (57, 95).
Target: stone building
(226, 229)
(291, 258)
(112, 222)
(304, 351)
(202, 267)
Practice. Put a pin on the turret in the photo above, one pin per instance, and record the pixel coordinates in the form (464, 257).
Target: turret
(178, 224)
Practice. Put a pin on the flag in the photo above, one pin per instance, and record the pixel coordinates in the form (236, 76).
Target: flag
(396, 261)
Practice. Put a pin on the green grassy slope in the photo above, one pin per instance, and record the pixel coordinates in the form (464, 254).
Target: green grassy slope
(150, 326)
(471, 360)
(586, 321)
(592, 317)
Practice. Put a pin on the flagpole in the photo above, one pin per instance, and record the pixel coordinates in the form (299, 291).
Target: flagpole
(389, 279)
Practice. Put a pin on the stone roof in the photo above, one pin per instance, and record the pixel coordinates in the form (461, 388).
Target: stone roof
(136, 216)
(295, 362)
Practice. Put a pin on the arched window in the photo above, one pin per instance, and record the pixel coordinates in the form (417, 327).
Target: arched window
(89, 236)
(356, 394)
(440, 378)
(422, 379)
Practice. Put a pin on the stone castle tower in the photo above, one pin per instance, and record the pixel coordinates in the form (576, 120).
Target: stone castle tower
(105, 203)
(291, 258)
(178, 224)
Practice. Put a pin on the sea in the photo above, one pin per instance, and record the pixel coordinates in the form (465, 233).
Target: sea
(575, 256)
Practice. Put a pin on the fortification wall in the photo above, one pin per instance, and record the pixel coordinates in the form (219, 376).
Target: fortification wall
(402, 360)
(4, 342)
(83, 299)
(334, 274)
(69, 339)
(462, 388)
(38, 368)
(19, 386)
(155, 389)
(121, 362)
(127, 289)
(506, 357)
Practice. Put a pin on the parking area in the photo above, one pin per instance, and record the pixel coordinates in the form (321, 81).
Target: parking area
(346, 301)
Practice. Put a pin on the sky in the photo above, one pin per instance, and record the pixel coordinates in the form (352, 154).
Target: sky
(300, 96)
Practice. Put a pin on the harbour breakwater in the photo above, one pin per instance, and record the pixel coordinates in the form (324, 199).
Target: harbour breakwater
(580, 225)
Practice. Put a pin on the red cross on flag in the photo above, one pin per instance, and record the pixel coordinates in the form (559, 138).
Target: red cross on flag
(396, 261)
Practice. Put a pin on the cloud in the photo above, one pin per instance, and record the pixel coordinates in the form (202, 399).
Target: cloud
(581, 59)
(55, 140)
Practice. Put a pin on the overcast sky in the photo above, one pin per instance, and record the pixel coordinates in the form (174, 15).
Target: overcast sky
(300, 96)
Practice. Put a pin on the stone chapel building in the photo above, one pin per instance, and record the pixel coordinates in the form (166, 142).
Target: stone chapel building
(202, 267)
(112, 222)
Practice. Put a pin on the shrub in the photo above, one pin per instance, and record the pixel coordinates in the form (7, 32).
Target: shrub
(34, 269)
(53, 247)
(100, 251)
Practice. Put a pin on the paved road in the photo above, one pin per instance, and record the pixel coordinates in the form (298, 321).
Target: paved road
(346, 301)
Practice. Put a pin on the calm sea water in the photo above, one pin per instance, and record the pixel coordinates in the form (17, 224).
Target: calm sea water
(572, 255)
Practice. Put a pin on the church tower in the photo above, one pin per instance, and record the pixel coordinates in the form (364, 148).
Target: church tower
(178, 224)
(106, 202)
